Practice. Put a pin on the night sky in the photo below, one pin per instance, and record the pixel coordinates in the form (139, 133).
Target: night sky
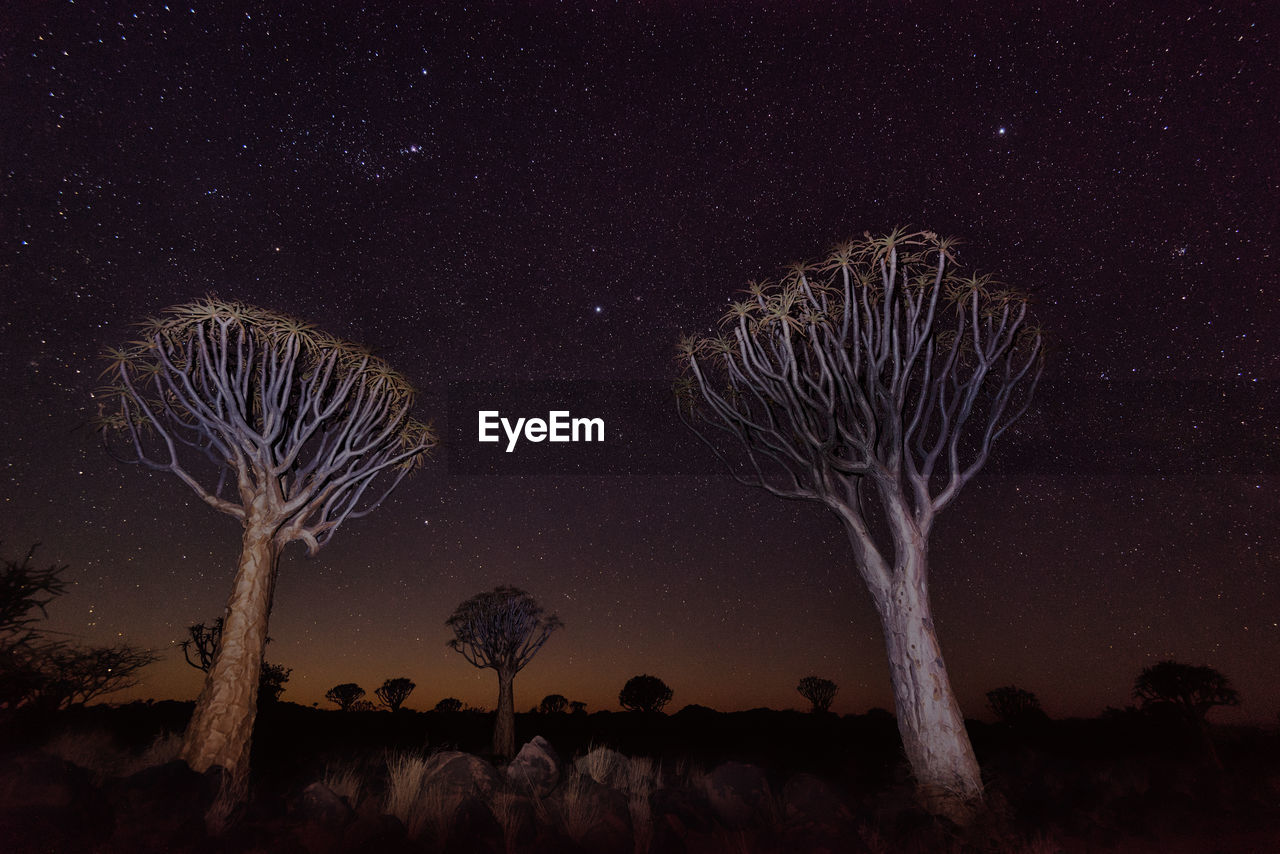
(532, 202)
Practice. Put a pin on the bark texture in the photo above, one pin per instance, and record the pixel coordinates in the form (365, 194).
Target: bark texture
(504, 729)
(221, 728)
(947, 776)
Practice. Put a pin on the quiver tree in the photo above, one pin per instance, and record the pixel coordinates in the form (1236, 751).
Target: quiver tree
(282, 427)
(449, 705)
(875, 383)
(502, 629)
(553, 704)
(394, 692)
(644, 693)
(1013, 705)
(818, 691)
(1189, 691)
(200, 649)
(345, 695)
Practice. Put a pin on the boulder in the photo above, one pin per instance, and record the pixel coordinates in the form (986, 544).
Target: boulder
(318, 804)
(474, 830)
(605, 766)
(536, 770)
(739, 795)
(461, 775)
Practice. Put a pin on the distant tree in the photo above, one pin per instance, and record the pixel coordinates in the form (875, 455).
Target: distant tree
(345, 695)
(282, 427)
(1190, 692)
(394, 692)
(271, 682)
(449, 704)
(502, 629)
(1013, 705)
(577, 707)
(644, 694)
(53, 674)
(553, 704)
(818, 691)
(363, 706)
(205, 641)
(875, 383)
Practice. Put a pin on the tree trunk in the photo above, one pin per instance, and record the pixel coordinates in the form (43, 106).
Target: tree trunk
(504, 729)
(948, 780)
(221, 728)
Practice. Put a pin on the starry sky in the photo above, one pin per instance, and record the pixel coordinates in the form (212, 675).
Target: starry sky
(528, 203)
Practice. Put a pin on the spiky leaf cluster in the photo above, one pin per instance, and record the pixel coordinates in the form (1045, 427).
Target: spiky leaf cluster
(270, 404)
(879, 359)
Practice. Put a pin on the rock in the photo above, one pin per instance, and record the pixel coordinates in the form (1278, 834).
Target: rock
(318, 804)
(605, 766)
(738, 794)
(461, 775)
(536, 768)
(678, 815)
(49, 804)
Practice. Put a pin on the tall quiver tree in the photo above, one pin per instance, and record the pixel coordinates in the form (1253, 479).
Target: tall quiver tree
(502, 629)
(274, 423)
(875, 383)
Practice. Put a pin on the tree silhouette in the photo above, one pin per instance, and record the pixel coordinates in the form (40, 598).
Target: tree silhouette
(345, 695)
(577, 707)
(820, 692)
(449, 704)
(394, 692)
(875, 383)
(271, 682)
(644, 694)
(502, 629)
(205, 642)
(278, 425)
(53, 674)
(553, 704)
(1013, 705)
(1190, 692)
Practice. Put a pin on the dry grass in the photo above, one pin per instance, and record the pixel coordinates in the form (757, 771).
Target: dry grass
(424, 806)
(97, 752)
(345, 781)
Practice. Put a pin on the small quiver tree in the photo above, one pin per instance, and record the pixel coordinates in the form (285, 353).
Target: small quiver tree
(644, 693)
(1015, 706)
(874, 383)
(553, 704)
(502, 629)
(394, 692)
(818, 691)
(287, 430)
(1189, 692)
(345, 696)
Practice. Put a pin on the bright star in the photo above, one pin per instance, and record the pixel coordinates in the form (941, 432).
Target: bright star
(599, 309)
(1000, 131)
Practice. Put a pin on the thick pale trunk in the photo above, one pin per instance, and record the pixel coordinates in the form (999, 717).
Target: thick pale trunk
(937, 746)
(221, 728)
(504, 729)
